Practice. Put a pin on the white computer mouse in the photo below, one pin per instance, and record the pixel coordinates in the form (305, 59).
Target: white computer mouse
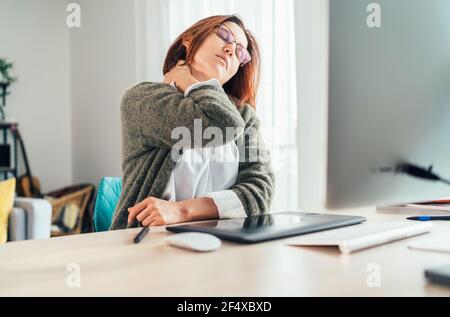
(197, 241)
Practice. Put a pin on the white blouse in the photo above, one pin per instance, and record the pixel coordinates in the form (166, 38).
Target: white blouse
(207, 172)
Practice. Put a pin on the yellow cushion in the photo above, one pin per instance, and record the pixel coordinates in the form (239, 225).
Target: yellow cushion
(7, 190)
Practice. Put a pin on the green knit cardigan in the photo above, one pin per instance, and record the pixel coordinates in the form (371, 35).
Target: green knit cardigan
(150, 111)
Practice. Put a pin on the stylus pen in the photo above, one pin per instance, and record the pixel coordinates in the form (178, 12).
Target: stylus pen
(141, 234)
(428, 218)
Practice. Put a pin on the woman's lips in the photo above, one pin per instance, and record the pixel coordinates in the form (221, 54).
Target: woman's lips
(223, 60)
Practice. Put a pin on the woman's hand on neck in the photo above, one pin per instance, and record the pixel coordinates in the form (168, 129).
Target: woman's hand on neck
(184, 76)
(181, 75)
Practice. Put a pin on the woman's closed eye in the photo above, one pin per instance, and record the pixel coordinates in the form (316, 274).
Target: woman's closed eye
(225, 35)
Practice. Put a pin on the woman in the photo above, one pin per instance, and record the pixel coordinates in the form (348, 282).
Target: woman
(211, 75)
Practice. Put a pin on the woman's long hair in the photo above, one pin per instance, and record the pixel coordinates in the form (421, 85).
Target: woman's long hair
(242, 87)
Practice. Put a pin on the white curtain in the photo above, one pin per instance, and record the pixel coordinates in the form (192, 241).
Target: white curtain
(272, 23)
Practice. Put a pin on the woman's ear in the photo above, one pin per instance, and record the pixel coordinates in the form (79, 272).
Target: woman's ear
(187, 41)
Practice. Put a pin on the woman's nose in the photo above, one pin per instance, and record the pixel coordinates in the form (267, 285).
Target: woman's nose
(229, 50)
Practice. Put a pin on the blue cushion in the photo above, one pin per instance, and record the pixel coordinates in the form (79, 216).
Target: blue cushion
(108, 195)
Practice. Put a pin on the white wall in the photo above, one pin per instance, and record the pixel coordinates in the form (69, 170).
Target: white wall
(312, 23)
(103, 66)
(34, 36)
(152, 38)
(71, 81)
(109, 53)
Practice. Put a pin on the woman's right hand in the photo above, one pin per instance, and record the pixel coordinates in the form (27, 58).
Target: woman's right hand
(181, 75)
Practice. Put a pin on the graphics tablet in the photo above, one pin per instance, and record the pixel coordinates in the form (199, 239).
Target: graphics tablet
(269, 226)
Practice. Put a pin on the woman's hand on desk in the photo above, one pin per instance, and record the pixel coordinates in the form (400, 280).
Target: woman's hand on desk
(153, 211)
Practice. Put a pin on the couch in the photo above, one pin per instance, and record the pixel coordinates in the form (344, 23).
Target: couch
(30, 219)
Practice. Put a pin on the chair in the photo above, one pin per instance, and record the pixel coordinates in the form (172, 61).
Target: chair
(108, 195)
(70, 206)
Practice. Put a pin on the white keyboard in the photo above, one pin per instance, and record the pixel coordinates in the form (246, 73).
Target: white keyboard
(357, 237)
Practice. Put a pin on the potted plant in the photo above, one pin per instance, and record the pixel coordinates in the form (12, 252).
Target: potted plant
(5, 67)
(5, 80)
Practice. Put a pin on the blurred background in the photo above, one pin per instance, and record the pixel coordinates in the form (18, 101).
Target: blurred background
(346, 88)
(70, 79)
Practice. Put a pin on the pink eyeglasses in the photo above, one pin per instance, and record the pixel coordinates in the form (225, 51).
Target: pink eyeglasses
(225, 34)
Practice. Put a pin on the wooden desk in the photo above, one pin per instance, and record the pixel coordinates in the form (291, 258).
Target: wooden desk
(111, 265)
